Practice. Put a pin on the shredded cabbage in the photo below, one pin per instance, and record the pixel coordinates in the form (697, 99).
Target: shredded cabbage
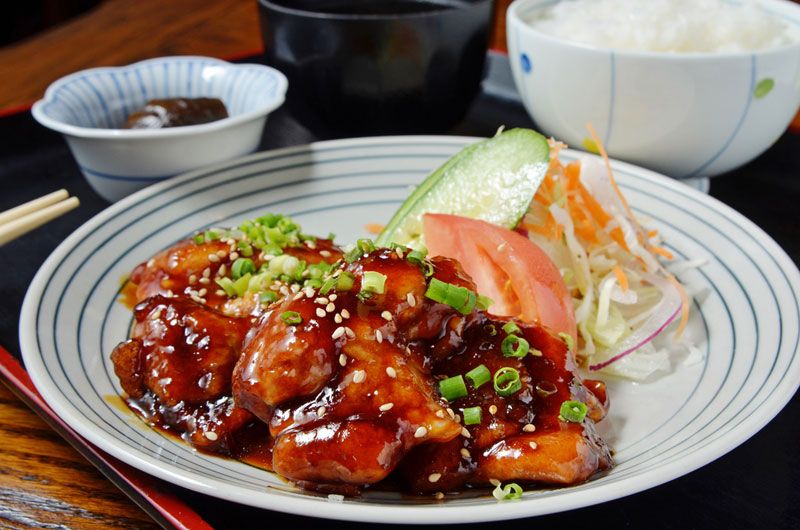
(622, 293)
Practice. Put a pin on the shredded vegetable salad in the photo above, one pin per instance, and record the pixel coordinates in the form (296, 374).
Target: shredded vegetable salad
(622, 293)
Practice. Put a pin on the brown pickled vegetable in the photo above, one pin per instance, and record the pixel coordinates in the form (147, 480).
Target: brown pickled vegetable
(176, 112)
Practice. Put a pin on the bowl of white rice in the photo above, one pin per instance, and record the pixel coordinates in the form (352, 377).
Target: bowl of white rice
(690, 88)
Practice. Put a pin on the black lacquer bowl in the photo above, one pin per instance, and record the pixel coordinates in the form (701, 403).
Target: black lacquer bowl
(363, 67)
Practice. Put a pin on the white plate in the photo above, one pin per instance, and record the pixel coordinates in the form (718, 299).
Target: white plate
(745, 323)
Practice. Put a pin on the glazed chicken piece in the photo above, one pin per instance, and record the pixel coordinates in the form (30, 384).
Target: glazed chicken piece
(190, 269)
(520, 437)
(177, 369)
(344, 400)
(349, 386)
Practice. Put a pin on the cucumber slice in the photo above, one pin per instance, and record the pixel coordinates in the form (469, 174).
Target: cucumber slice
(493, 180)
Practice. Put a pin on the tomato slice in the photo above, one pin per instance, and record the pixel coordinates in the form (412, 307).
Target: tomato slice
(507, 267)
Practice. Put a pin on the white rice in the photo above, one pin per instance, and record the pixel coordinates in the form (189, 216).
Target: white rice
(666, 25)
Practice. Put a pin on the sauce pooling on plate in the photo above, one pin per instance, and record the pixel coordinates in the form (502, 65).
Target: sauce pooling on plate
(176, 112)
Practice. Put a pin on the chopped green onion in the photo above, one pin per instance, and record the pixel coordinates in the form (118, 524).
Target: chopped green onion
(245, 249)
(511, 492)
(417, 256)
(210, 235)
(453, 388)
(373, 282)
(353, 254)
(241, 267)
(199, 239)
(472, 416)
(511, 328)
(506, 381)
(491, 330)
(459, 298)
(331, 236)
(345, 281)
(514, 346)
(365, 245)
(227, 285)
(567, 338)
(428, 269)
(573, 411)
(484, 302)
(364, 295)
(241, 284)
(267, 297)
(327, 285)
(291, 317)
(479, 375)
(536, 353)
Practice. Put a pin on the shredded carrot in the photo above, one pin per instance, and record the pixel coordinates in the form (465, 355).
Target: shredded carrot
(622, 279)
(607, 162)
(684, 305)
(373, 228)
(661, 251)
(597, 211)
(652, 233)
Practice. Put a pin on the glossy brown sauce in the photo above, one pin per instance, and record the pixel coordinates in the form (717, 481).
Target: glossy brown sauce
(176, 112)
(340, 411)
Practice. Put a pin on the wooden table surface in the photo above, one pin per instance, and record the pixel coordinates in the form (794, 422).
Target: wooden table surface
(118, 32)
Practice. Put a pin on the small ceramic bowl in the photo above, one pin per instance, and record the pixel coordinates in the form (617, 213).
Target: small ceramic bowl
(364, 67)
(90, 106)
(682, 114)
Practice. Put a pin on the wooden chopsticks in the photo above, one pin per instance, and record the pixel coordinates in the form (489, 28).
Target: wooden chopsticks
(25, 217)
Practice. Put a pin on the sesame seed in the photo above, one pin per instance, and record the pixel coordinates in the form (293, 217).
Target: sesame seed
(211, 435)
(204, 281)
(333, 297)
(387, 316)
(378, 336)
(325, 253)
(399, 252)
(222, 270)
(434, 477)
(321, 300)
(494, 482)
(310, 244)
(334, 497)
(219, 292)
(385, 407)
(451, 413)
(169, 293)
(297, 296)
(198, 299)
(493, 409)
(440, 413)
(284, 290)
(202, 292)
(411, 300)
(421, 432)
(151, 263)
(321, 312)
(457, 418)
(465, 453)
(337, 318)
(465, 433)
(359, 376)
(295, 287)
(530, 427)
(213, 258)
(206, 272)
(533, 445)
(192, 279)
(349, 332)
(320, 411)
(343, 359)
(309, 292)
(338, 332)
(391, 372)
(234, 255)
(221, 253)
(345, 314)
(156, 314)
(330, 308)
(501, 247)
(439, 495)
